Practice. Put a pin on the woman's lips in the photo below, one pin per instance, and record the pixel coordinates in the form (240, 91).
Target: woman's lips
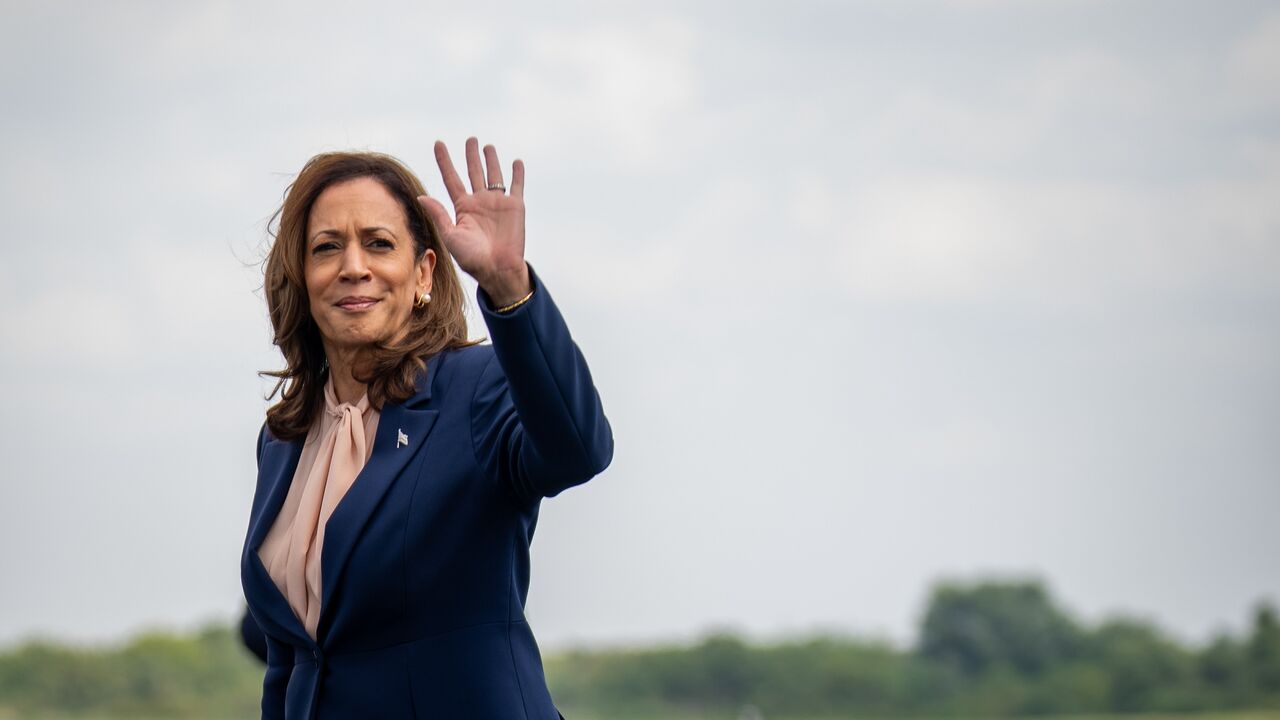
(356, 304)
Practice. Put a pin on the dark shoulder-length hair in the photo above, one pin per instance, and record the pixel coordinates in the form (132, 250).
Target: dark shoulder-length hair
(388, 369)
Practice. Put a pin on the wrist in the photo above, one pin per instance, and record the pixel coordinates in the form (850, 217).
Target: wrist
(506, 288)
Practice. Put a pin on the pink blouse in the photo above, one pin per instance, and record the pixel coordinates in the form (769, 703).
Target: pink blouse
(336, 448)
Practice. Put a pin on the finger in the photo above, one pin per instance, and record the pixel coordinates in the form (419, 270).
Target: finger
(452, 183)
(517, 179)
(494, 168)
(474, 171)
(438, 213)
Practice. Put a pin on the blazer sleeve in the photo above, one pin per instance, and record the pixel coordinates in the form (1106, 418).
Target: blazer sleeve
(537, 423)
(253, 637)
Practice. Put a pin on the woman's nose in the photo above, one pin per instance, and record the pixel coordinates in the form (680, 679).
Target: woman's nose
(353, 263)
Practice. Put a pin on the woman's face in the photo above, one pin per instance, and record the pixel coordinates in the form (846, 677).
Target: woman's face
(361, 276)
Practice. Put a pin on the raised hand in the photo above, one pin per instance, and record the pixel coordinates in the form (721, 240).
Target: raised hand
(486, 234)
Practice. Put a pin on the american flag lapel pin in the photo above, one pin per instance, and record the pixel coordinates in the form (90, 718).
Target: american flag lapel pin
(401, 438)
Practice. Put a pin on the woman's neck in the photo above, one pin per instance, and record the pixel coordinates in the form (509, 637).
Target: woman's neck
(345, 386)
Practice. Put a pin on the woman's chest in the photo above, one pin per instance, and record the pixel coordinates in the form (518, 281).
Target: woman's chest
(435, 553)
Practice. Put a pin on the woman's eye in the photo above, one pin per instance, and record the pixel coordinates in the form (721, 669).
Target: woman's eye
(322, 247)
(381, 242)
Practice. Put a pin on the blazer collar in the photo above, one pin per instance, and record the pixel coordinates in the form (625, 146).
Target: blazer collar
(402, 430)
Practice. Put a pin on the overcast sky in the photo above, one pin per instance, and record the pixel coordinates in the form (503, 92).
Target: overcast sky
(875, 294)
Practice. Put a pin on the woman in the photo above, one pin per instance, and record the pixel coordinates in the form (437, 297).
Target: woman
(399, 476)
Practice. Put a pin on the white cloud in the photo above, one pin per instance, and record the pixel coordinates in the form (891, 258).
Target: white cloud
(620, 90)
(1007, 5)
(67, 325)
(1091, 80)
(1057, 243)
(930, 238)
(1254, 65)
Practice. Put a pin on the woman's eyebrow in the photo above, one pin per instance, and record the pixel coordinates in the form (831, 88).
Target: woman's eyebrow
(363, 231)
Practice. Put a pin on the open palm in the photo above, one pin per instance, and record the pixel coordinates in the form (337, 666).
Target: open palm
(485, 235)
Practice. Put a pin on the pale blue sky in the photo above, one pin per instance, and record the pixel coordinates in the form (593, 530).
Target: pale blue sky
(875, 293)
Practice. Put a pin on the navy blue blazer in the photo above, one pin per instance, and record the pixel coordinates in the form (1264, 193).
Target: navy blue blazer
(425, 564)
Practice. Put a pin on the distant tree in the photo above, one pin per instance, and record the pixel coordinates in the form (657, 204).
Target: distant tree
(827, 677)
(1147, 670)
(155, 675)
(727, 669)
(1223, 670)
(1077, 687)
(1264, 651)
(978, 628)
(42, 676)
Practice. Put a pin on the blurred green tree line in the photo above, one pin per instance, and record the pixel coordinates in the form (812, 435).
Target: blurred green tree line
(155, 675)
(995, 649)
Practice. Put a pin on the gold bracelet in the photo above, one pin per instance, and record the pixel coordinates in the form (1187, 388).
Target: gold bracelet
(508, 308)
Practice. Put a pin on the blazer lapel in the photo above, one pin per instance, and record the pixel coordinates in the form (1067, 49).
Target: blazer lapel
(279, 462)
(402, 429)
(278, 619)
